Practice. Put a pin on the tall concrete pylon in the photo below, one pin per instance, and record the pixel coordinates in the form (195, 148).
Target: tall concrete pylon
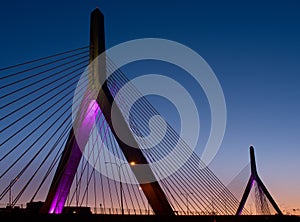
(72, 153)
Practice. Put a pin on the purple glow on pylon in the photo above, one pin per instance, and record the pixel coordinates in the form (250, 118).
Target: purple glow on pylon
(82, 137)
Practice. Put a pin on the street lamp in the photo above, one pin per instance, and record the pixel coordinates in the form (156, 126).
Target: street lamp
(187, 201)
(10, 185)
(121, 188)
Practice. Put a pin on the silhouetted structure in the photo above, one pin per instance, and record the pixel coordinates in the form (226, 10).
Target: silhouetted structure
(72, 154)
(254, 177)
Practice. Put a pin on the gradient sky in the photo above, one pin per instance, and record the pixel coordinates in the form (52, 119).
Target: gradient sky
(252, 46)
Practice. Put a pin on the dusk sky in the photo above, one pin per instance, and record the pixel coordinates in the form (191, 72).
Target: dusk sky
(253, 48)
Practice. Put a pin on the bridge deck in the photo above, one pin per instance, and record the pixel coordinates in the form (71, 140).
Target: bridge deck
(142, 218)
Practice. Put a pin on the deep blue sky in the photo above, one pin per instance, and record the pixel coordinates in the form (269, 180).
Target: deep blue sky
(252, 46)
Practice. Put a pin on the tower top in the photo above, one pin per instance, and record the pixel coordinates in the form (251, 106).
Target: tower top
(252, 161)
(97, 10)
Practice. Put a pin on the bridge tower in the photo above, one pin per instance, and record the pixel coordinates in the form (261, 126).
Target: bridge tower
(72, 153)
(254, 177)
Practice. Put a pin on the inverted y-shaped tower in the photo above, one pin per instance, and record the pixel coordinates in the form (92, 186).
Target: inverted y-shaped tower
(254, 177)
(72, 153)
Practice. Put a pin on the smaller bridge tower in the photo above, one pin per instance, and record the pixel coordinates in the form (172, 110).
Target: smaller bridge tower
(254, 177)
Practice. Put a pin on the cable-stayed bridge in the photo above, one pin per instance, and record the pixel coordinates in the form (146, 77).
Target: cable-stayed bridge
(61, 152)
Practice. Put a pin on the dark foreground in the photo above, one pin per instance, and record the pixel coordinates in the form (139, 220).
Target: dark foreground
(140, 218)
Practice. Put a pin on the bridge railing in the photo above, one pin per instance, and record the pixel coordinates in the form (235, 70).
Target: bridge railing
(116, 211)
(103, 210)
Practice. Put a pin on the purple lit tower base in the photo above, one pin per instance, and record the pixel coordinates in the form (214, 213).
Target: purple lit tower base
(69, 162)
